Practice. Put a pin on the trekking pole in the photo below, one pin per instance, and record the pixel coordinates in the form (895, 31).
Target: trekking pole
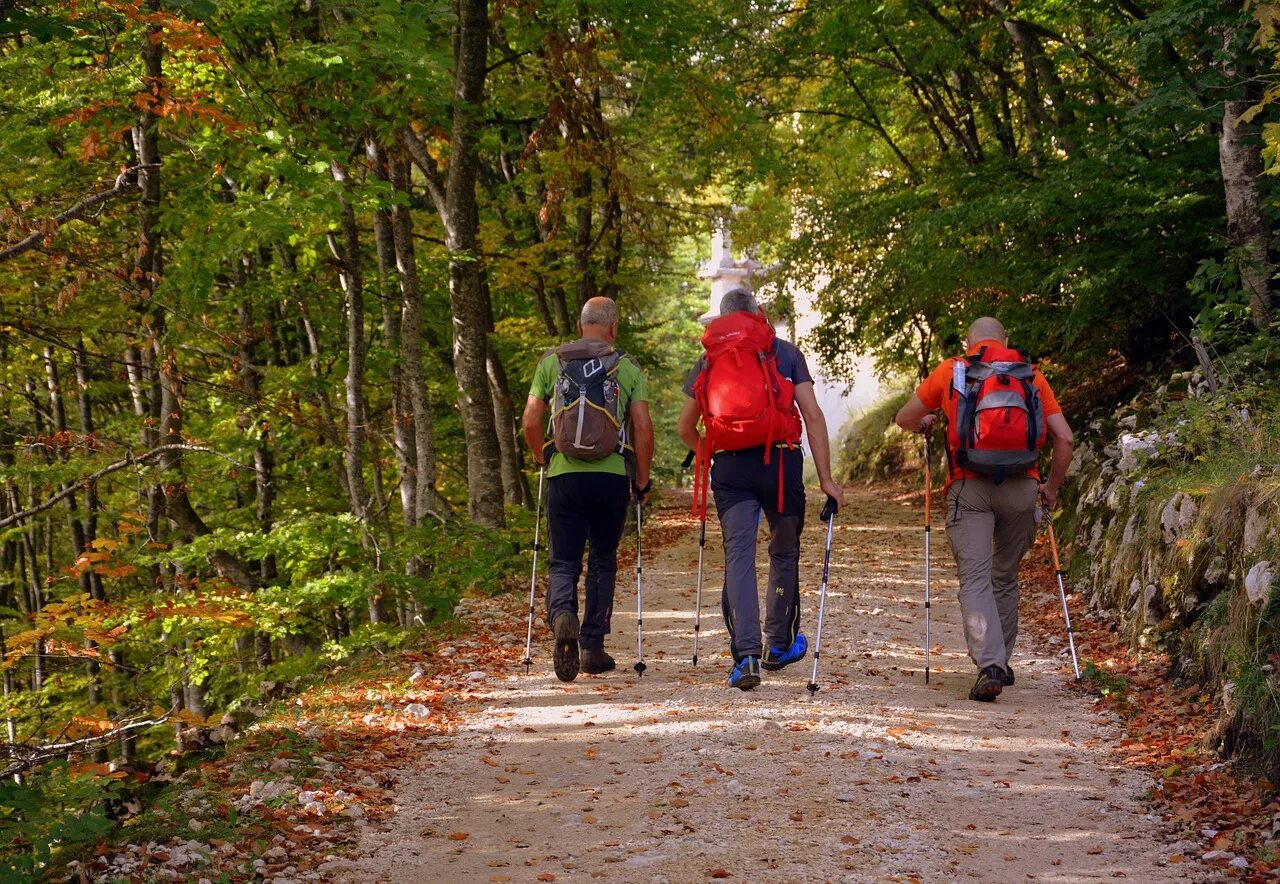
(1062, 592)
(697, 595)
(533, 578)
(702, 548)
(639, 667)
(928, 524)
(828, 516)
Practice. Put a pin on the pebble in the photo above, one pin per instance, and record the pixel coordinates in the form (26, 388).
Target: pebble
(417, 710)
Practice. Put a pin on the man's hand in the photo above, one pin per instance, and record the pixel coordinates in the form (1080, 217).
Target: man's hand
(927, 423)
(832, 489)
(1048, 496)
(542, 456)
(641, 492)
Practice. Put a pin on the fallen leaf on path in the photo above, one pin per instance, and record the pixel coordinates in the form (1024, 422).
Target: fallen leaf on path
(719, 873)
(459, 836)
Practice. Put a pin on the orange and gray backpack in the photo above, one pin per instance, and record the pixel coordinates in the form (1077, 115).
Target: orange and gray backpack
(1000, 423)
(587, 422)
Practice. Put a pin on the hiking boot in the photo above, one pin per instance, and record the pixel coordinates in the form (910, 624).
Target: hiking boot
(596, 661)
(745, 674)
(989, 684)
(774, 659)
(1007, 679)
(565, 657)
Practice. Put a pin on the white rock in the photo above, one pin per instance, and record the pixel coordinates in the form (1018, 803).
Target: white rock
(1257, 583)
(477, 675)
(1136, 449)
(417, 675)
(307, 797)
(417, 710)
(316, 807)
(447, 651)
(1239, 862)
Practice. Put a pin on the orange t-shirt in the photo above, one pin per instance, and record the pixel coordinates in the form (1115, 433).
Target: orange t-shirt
(935, 392)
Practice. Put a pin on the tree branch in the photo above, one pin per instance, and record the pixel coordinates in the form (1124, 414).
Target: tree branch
(25, 757)
(125, 463)
(126, 182)
(423, 160)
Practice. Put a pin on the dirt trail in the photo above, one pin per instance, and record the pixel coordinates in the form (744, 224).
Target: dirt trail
(676, 777)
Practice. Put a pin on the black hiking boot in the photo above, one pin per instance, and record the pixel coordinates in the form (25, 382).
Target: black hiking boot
(989, 684)
(1007, 680)
(596, 661)
(565, 657)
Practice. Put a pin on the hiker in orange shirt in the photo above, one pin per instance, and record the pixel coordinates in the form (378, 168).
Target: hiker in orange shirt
(999, 410)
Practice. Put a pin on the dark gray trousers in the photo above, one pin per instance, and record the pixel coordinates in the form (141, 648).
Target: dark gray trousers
(744, 488)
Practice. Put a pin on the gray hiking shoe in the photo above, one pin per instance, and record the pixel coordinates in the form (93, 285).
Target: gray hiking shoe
(989, 684)
(565, 657)
(1007, 680)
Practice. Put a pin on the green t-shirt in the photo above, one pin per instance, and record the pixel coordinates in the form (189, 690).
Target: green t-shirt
(632, 388)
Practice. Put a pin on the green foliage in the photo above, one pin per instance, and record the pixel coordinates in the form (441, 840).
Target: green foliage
(54, 817)
(871, 446)
(1103, 682)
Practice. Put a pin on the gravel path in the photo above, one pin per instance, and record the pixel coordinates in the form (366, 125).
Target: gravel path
(676, 777)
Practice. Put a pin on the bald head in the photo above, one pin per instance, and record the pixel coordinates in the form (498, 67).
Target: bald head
(988, 328)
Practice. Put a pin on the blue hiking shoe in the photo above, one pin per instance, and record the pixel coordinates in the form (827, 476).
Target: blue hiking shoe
(745, 674)
(774, 659)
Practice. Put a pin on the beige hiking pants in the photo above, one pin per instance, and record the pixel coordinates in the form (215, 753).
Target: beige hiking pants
(990, 527)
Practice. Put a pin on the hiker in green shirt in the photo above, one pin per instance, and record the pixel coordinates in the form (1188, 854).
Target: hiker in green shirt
(600, 452)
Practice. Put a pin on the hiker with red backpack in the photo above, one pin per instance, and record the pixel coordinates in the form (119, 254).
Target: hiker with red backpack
(598, 457)
(999, 410)
(750, 392)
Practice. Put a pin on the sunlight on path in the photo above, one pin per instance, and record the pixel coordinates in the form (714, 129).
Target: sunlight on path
(675, 777)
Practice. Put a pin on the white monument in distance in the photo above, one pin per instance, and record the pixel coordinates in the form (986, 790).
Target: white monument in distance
(725, 273)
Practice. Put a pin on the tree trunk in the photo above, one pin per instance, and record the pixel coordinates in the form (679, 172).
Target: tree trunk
(1240, 156)
(461, 221)
(351, 277)
(403, 441)
(428, 502)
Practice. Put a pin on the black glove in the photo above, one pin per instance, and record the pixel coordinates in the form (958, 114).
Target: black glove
(688, 460)
(548, 449)
(830, 509)
(641, 492)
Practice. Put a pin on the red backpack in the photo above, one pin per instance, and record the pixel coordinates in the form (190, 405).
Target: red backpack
(1000, 422)
(745, 401)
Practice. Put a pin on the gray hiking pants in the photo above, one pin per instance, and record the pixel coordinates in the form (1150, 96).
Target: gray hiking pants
(744, 487)
(990, 527)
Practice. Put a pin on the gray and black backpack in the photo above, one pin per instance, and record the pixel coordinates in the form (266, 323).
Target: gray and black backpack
(587, 422)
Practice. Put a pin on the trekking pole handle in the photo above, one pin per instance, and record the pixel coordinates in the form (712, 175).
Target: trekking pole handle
(830, 509)
(688, 460)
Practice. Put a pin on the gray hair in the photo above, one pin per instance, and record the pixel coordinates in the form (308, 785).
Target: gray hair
(600, 311)
(738, 301)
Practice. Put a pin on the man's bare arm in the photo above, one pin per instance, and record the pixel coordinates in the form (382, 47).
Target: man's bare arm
(687, 426)
(1063, 448)
(531, 422)
(815, 425)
